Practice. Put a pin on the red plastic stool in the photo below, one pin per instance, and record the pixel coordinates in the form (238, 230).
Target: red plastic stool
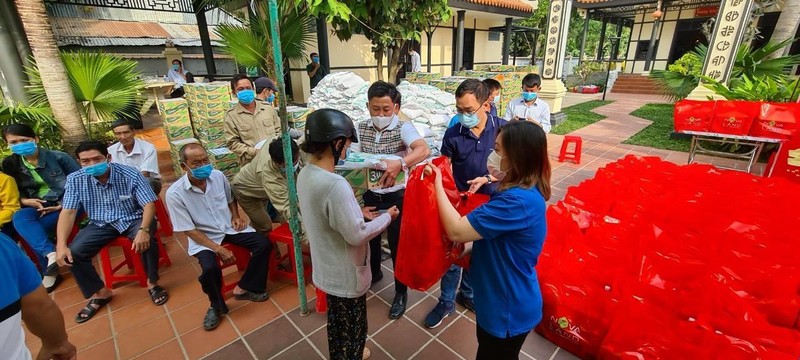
(575, 154)
(283, 235)
(242, 258)
(322, 301)
(131, 261)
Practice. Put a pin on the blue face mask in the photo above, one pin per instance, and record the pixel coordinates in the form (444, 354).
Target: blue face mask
(315, 59)
(271, 98)
(27, 148)
(203, 172)
(246, 96)
(175, 67)
(529, 96)
(97, 169)
(469, 120)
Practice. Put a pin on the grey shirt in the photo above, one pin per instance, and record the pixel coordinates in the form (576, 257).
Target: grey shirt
(336, 230)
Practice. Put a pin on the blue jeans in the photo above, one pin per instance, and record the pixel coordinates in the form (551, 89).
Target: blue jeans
(450, 282)
(35, 230)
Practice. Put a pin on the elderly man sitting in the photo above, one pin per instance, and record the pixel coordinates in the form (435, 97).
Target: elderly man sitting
(214, 220)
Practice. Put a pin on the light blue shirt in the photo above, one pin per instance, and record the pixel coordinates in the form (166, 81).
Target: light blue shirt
(117, 203)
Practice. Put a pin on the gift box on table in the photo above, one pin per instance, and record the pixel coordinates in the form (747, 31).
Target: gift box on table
(691, 115)
(734, 117)
(776, 120)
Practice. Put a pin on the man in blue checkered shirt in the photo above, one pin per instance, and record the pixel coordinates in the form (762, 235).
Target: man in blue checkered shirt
(118, 201)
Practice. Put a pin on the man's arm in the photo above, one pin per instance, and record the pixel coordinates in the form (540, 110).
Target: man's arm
(149, 162)
(234, 141)
(509, 115)
(44, 319)
(276, 188)
(419, 152)
(313, 70)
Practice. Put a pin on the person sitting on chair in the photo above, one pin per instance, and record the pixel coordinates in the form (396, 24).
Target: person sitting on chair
(214, 220)
(119, 202)
(135, 153)
(179, 76)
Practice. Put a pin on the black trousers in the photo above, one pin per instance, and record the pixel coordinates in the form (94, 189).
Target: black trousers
(91, 239)
(254, 278)
(383, 202)
(495, 348)
(347, 327)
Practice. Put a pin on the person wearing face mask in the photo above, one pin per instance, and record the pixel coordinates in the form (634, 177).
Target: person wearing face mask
(494, 88)
(508, 234)
(529, 107)
(202, 207)
(265, 90)
(338, 232)
(468, 146)
(249, 121)
(178, 75)
(316, 72)
(41, 176)
(264, 181)
(118, 201)
(385, 134)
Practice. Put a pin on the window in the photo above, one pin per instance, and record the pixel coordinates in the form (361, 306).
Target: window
(494, 36)
(641, 49)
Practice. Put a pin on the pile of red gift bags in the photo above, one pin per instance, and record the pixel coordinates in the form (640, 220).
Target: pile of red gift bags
(769, 120)
(651, 260)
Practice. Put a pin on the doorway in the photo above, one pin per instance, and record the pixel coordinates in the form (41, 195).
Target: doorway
(688, 34)
(469, 48)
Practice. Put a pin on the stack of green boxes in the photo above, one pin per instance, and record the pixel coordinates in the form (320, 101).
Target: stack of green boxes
(296, 116)
(208, 104)
(422, 77)
(177, 127)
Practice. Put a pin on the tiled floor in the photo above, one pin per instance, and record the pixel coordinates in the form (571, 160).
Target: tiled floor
(131, 327)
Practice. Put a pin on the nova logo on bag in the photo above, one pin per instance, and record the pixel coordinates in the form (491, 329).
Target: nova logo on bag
(562, 327)
(693, 121)
(732, 123)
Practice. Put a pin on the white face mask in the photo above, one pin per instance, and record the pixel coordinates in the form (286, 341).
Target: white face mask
(382, 122)
(493, 164)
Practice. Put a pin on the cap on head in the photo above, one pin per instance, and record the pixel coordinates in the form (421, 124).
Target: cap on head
(264, 83)
(326, 125)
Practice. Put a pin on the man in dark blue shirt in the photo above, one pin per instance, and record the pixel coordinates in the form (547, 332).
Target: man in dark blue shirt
(468, 145)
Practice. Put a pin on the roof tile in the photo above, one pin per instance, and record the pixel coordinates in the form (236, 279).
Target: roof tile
(507, 4)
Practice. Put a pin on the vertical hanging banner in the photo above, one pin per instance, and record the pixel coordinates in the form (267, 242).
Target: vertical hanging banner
(732, 22)
(555, 41)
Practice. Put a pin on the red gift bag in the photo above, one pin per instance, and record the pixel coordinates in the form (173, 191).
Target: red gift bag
(692, 115)
(466, 203)
(734, 117)
(424, 253)
(777, 121)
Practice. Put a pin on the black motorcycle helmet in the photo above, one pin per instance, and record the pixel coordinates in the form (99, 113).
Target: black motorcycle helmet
(329, 125)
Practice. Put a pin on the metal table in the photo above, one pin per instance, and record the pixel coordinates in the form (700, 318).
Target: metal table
(756, 143)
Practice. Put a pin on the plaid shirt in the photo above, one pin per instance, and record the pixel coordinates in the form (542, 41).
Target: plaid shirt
(117, 203)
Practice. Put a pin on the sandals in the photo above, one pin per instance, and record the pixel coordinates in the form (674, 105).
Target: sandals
(158, 295)
(89, 311)
(251, 296)
(212, 319)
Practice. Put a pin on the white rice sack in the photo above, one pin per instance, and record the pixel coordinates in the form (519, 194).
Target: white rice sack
(424, 130)
(360, 160)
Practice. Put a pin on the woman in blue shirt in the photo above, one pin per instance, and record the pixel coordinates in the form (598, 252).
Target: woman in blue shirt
(511, 228)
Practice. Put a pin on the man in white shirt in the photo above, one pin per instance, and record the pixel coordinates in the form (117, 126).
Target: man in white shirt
(529, 107)
(136, 153)
(214, 220)
(416, 60)
(385, 134)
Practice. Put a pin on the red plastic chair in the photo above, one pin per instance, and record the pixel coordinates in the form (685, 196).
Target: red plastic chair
(573, 155)
(242, 259)
(33, 255)
(131, 259)
(283, 235)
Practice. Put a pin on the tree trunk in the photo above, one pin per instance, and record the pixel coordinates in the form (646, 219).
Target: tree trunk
(54, 74)
(786, 27)
(379, 59)
(394, 64)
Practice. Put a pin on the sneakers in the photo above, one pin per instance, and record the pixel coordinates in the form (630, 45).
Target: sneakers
(437, 315)
(465, 302)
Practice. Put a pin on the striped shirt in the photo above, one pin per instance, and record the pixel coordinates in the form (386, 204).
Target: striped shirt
(117, 203)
